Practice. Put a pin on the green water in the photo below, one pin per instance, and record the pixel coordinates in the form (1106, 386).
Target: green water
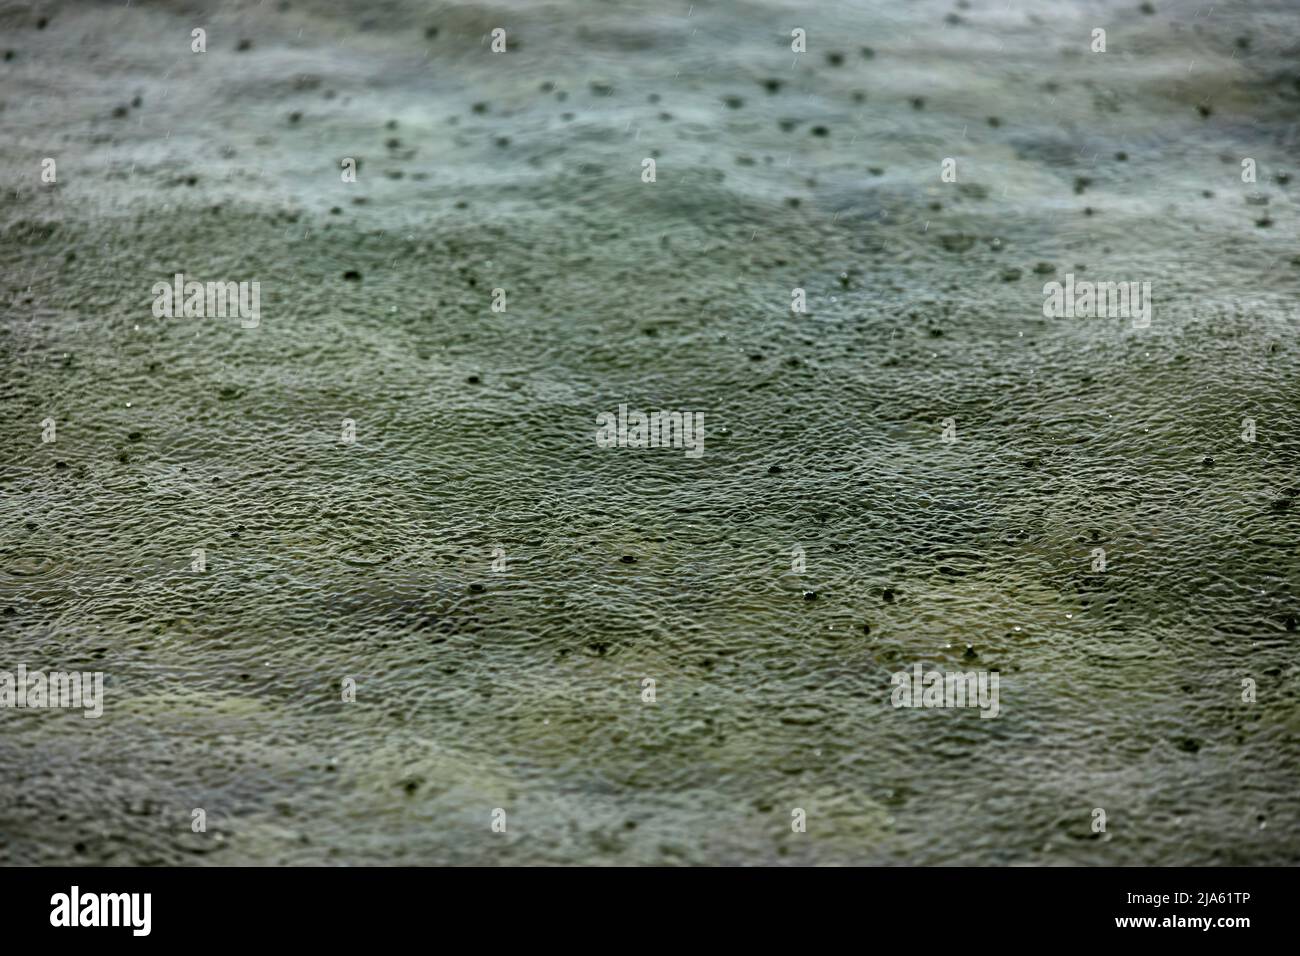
(521, 689)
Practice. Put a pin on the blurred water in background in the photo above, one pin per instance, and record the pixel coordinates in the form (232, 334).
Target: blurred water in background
(475, 431)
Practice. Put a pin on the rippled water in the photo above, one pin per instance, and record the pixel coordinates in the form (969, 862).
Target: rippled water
(521, 689)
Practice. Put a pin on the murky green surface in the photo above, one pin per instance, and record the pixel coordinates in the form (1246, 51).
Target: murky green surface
(475, 431)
